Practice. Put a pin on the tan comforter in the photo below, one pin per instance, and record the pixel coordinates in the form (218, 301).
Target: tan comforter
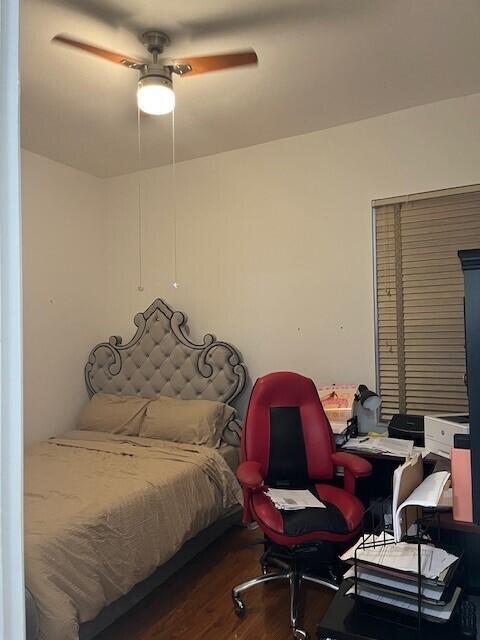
(103, 511)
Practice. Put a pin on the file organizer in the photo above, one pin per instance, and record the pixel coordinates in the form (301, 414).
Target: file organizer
(427, 532)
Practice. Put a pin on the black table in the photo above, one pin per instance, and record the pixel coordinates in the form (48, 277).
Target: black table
(351, 619)
(380, 483)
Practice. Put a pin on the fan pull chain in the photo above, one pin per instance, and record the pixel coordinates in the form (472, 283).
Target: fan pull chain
(140, 212)
(175, 282)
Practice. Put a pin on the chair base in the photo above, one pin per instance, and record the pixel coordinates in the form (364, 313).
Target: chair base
(295, 577)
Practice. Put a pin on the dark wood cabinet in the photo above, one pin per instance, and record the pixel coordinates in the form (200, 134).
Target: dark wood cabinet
(470, 260)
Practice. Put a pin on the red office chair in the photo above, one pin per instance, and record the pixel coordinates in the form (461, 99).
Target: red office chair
(287, 441)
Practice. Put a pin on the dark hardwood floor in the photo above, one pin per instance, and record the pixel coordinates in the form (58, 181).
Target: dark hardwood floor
(195, 604)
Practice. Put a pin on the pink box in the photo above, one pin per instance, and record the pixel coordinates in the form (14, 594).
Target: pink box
(462, 485)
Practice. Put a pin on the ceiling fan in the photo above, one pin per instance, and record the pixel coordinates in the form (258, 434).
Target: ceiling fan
(155, 93)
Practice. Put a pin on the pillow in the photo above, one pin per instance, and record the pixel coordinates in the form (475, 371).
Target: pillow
(187, 421)
(114, 414)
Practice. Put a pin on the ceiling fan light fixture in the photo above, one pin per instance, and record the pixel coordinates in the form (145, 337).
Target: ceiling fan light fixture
(155, 95)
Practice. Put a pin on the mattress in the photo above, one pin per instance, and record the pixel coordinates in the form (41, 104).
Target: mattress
(102, 512)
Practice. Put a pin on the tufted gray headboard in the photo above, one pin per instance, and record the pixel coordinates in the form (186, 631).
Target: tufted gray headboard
(160, 360)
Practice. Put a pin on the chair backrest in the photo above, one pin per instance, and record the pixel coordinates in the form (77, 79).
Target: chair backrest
(287, 432)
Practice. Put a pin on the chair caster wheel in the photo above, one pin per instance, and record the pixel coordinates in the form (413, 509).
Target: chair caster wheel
(300, 634)
(239, 607)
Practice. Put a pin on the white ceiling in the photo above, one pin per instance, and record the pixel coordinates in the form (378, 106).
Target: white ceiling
(321, 63)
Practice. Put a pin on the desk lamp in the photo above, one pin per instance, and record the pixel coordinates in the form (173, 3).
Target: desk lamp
(365, 407)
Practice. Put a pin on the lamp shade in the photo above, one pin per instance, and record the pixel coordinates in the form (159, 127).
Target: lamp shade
(368, 399)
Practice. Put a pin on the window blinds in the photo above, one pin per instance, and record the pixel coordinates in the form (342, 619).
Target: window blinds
(420, 323)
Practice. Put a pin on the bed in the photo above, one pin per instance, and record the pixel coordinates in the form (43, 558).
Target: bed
(109, 517)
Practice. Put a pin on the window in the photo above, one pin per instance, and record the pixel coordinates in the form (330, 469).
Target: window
(419, 298)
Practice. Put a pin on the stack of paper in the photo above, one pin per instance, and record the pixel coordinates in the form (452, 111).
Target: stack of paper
(390, 446)
(293, 499)
(429, 591)
(408, 605)
(390, 577)
(401, 556)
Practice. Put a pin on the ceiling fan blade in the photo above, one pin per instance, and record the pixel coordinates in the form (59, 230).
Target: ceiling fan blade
(205, 64)
(118, 58)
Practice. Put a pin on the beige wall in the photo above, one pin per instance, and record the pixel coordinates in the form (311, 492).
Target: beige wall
(274, 249)
(275, 241)
(64, 285)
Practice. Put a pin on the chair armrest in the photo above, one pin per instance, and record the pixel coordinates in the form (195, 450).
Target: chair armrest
(357, 466)
(354, 467)
(249, 475)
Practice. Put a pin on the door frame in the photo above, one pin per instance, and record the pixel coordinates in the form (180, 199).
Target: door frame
(12, 589)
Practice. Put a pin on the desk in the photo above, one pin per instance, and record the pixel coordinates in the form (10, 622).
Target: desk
(347, 619)
(458, 534)
(430, 460)
(380, 483)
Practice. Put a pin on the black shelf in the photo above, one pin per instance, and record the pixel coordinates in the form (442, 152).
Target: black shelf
(351, 619)
(470, 260)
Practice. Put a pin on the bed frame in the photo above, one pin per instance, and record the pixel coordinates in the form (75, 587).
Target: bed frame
(162, 360)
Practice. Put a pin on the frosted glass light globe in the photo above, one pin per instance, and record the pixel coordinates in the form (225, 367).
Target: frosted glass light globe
(155, 95)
